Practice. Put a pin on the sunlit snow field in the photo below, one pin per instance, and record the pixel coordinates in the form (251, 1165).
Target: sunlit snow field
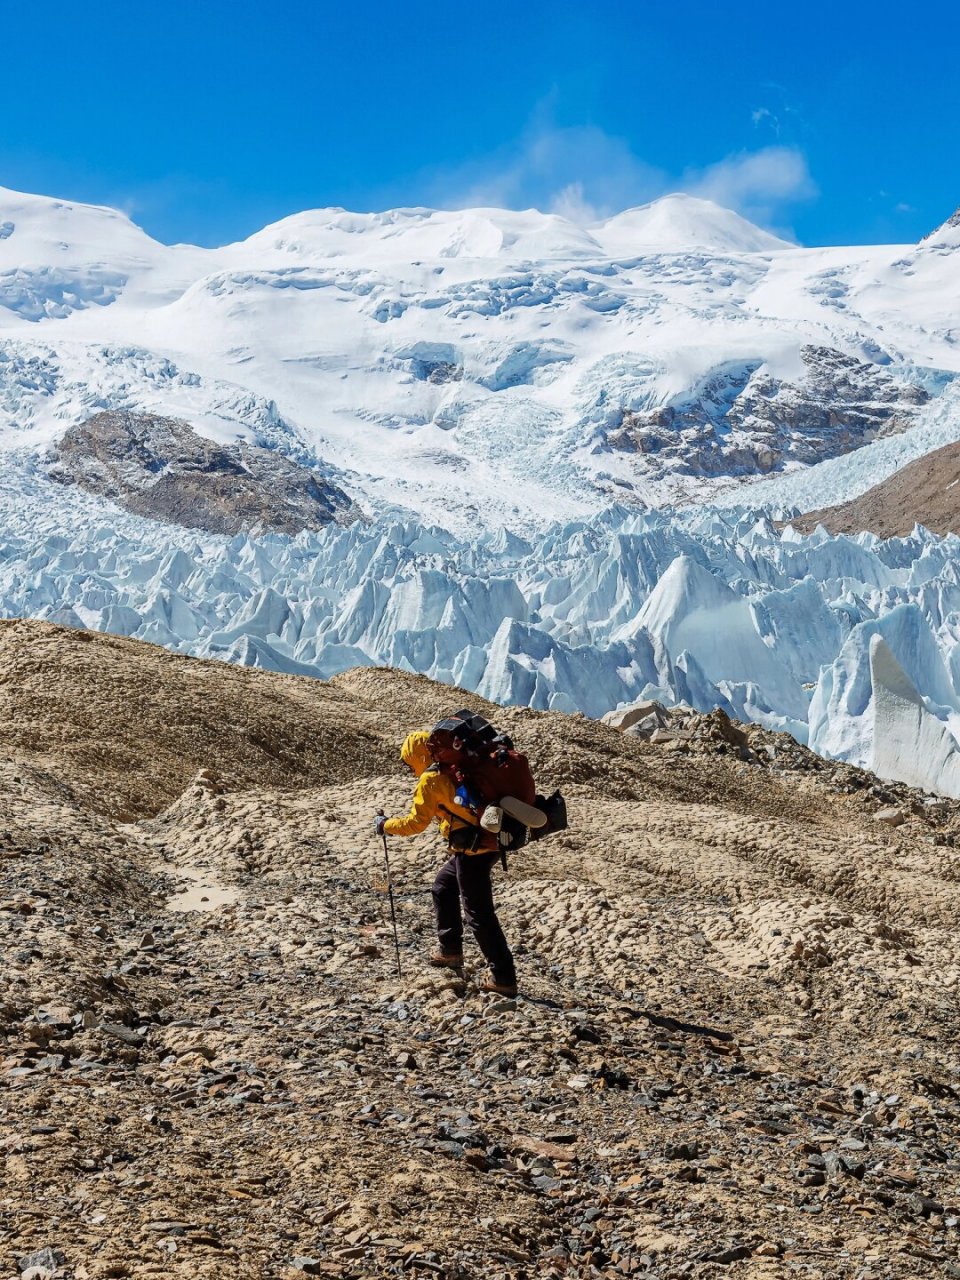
(461, 367)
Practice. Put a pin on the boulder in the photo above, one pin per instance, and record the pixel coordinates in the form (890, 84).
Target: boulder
(636, 714)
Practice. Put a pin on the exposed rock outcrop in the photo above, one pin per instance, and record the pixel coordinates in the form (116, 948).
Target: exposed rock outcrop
(744, 421)
(161, 468)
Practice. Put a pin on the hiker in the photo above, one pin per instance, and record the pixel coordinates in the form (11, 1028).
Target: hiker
(466, 876)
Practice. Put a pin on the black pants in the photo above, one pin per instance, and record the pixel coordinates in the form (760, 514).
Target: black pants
(466, 878)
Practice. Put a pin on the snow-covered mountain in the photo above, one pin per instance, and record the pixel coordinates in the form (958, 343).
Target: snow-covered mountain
(482, 364)
(456, 373)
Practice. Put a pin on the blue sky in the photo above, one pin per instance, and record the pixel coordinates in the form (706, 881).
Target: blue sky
(205, 120)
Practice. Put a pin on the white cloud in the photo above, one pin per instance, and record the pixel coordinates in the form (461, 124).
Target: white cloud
(571, 203)
(586, 174)
(580, 171)
(758, 184)
(764, 114)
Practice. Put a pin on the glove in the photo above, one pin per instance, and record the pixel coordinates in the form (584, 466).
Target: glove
(379, 823)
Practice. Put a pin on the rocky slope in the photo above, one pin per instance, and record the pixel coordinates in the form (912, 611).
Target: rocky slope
(744, 421)
(734, 1053)
(925, 492)
(160, 468)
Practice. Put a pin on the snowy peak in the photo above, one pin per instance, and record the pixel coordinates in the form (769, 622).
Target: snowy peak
(49, 230)
(946, 236)
(38, 230)
(59, 257)
(680, 223)
(411, 236)
(512, 362)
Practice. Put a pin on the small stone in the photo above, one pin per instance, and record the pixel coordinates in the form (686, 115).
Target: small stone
(116, 1031)
(57, 1015)
(735, 1254)
(892, 817)
(406, 1061)
(857, 1244)
(923, 1206)
(579, 1082)
(44, 1261)
(309, 1266)
(682, 1151)
(546, 1150)
(545, 1183)
(451, 1149)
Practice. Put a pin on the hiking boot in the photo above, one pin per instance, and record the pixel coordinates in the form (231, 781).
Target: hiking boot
(441, 960)
(508, 989)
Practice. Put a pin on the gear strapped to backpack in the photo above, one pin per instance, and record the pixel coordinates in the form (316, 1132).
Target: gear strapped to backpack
(494, 781)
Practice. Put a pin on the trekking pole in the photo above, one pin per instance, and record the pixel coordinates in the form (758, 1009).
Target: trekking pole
(393, 913)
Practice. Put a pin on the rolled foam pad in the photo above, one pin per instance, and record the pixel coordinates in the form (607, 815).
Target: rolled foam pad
(525, 813)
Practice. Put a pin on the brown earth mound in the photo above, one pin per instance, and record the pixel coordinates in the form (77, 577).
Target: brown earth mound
(129, 724)
(925, 492)
(734, 1052)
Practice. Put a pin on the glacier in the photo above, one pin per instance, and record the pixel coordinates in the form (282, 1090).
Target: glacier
(847, 643)
(572, 447)
(443, 365)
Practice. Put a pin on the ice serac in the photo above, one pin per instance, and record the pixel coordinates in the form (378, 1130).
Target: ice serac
(692, 613)
(714, 609)
(910, 744)
(842, 710)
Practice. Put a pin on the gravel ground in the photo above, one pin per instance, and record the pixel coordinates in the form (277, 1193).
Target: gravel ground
(734, 1052)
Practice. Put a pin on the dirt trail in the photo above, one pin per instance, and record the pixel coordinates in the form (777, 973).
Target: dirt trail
(735, 1052)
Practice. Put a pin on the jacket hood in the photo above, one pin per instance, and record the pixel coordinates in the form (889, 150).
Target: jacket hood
(415, 752)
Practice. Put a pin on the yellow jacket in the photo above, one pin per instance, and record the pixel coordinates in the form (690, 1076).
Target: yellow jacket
(434, 799)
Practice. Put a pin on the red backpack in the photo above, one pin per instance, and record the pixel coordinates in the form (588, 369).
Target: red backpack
(487, 768)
